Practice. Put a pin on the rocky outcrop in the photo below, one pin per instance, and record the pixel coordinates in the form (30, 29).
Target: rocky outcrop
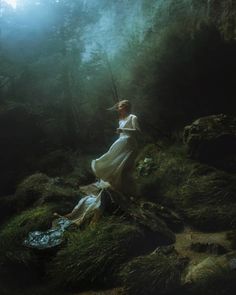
(212, 140)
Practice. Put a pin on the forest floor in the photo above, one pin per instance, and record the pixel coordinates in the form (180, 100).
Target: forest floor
(184, 240)
(170, 180)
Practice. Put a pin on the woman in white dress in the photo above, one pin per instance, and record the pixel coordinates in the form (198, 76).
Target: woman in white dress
(110, 166)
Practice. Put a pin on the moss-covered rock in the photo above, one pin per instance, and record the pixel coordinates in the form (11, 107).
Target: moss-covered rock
(153, 274)
(94, 256)
(32, 189)
(40, 189)
(213, 276)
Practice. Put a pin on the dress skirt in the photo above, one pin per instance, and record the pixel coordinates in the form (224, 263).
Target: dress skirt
(109, 167)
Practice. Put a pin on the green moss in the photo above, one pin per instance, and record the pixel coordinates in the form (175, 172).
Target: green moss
(15, 231)
(93, 257)
(40, 189)
(152, 274)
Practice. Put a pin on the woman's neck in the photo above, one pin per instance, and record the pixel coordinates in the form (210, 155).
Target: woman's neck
(123, 116)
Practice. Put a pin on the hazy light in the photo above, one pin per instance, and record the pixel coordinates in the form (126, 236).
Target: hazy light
(13, 3)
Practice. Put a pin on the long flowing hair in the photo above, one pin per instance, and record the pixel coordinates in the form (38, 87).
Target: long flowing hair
(126, 104)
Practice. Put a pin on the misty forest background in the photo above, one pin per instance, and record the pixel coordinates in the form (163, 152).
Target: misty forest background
(63, 63)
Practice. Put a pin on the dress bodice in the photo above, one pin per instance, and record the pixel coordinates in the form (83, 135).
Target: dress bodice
(125, 122)
(130, 123)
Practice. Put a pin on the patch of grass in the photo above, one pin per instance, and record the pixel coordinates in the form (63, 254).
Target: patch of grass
(211, 218)
(208, 200)
(15, 231)
(152, 274)
(172, 170)
(203, 195)
(94, 256)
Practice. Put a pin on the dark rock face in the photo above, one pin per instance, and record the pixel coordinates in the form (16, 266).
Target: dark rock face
(212, 140)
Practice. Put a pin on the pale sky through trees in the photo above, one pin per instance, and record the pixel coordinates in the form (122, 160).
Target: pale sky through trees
(13, 3)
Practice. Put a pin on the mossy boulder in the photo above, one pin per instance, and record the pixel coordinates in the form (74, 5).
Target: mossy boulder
(212, 140)
(40, 189)
(94, 256)
(156, 273)
(213, 276)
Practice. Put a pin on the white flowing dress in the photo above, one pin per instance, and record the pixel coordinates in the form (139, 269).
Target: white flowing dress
(109, 167)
